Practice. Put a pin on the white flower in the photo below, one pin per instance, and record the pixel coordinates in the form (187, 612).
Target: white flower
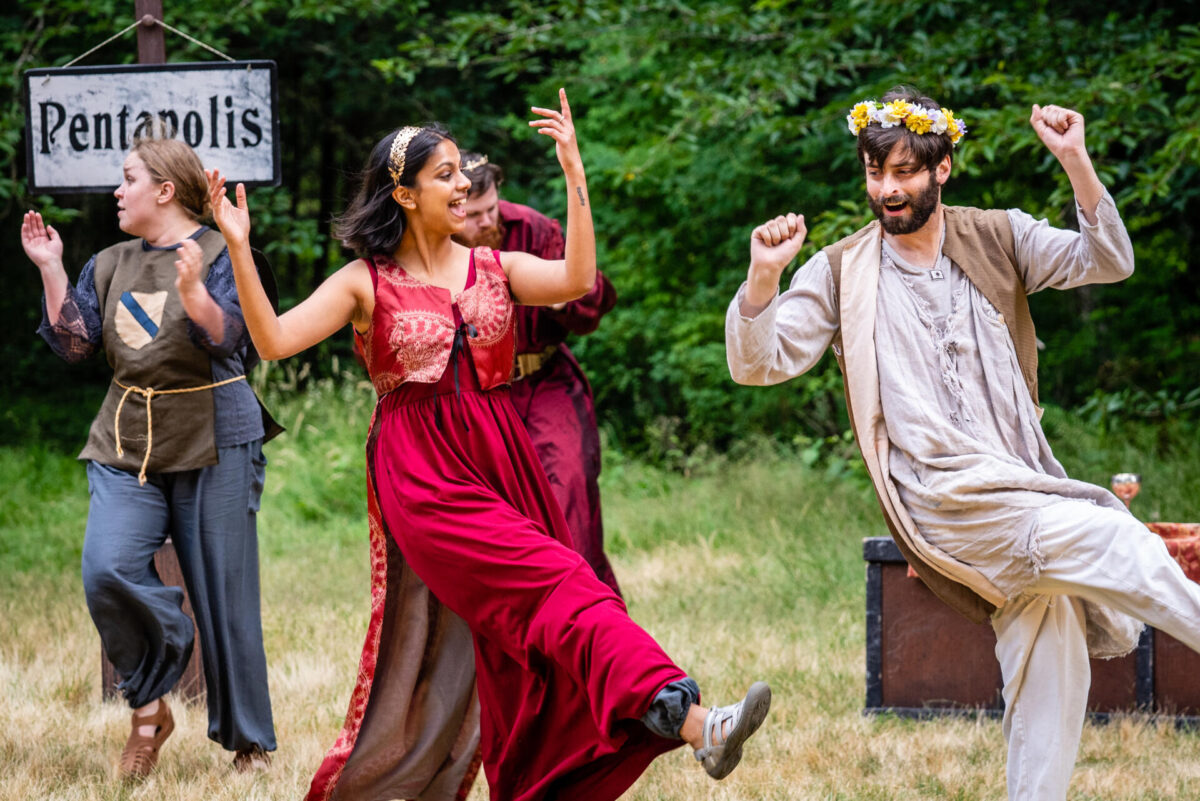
(892, 114)
(918, 119)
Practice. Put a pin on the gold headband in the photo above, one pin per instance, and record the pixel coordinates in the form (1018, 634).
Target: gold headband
(400, 151)
(475, 164)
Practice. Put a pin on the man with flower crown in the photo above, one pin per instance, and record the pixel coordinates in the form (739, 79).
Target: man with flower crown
(925, 309)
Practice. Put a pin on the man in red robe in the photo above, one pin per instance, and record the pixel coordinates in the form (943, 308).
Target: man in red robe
(549, 389)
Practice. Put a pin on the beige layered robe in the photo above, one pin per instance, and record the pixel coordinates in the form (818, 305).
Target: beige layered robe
(975, 478)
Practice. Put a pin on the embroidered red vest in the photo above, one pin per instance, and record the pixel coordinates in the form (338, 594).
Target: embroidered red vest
(412, 328)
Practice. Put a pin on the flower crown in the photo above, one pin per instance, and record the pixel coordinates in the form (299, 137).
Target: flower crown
(918, 119)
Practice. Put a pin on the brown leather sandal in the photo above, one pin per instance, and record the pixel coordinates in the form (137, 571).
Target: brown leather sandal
(141, 752)
(251, 760)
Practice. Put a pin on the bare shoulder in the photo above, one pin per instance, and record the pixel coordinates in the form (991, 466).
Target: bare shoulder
(355, 277)
(357, 267)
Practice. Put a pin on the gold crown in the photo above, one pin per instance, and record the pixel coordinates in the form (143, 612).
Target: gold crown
(400, 151)
(474, 164)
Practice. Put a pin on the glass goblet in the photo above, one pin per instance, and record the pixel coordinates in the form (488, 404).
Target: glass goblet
(1126, 485)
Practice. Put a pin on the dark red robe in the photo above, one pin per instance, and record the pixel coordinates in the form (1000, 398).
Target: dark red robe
(555, 403)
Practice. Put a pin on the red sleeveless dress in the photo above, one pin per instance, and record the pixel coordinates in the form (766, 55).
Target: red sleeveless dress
(475, 585)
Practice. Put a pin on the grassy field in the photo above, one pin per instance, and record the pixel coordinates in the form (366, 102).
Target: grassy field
(747, 569)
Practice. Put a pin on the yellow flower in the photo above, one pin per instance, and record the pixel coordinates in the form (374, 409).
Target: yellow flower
(860, 116)
(954, 127)
(894, 113)
(918, 120)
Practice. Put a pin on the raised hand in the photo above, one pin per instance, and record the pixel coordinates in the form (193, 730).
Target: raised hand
(188, 267)
(197, 303)
(1060, 129)
(234, 221)
(773, 245)
(42, 244)
(559, 126)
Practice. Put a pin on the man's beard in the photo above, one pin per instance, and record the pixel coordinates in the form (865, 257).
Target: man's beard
(490, 237)
(922, 206)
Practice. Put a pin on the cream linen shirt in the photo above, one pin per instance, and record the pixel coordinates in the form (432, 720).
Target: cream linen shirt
(969, 457)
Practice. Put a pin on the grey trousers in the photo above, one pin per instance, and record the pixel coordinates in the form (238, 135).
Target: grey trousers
(210, 515)
(668, 711)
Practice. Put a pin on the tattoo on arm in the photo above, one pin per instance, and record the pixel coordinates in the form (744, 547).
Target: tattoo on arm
(579, 191)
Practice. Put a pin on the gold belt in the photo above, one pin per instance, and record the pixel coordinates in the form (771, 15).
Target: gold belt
(148, 393)
(529, 363)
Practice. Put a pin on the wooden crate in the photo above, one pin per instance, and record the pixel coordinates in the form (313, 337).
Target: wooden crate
(925, 659)
(1177, 667)
(1176, 675)
(191, 685)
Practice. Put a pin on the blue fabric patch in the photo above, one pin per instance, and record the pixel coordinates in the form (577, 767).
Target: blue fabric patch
(139, 314)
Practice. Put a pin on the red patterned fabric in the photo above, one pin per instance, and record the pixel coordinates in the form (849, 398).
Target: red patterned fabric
(335, 760)
(413, 325)
(1183, 543)
(563, 675)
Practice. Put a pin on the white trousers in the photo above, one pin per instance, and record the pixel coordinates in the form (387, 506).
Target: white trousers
(1091, 553)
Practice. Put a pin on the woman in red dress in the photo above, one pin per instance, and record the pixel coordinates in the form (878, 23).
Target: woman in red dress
(469, 551)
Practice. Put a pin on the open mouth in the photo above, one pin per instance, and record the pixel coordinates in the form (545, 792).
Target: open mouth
(459, 207)
(895, 205)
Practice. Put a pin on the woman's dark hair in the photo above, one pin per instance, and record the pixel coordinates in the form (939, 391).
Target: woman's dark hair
(484, 176)
(374, 222)
(875, 142)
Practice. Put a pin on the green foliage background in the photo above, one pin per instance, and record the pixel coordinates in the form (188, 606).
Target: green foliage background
(697, 121)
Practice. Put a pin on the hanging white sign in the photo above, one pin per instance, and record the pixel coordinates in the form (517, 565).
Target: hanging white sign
(80, 121)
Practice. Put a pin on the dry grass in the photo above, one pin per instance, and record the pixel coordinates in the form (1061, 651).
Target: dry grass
(747, 571)
(60, 742)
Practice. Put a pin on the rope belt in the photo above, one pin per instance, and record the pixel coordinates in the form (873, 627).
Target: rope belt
(148, 393)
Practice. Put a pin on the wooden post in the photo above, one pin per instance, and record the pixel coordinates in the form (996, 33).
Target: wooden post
(151, 43)
(152, 49)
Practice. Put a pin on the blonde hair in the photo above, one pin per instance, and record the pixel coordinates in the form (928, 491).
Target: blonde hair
(168, 159)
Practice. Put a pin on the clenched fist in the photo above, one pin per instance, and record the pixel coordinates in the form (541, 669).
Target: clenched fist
(773, 245)
(1060, 129)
